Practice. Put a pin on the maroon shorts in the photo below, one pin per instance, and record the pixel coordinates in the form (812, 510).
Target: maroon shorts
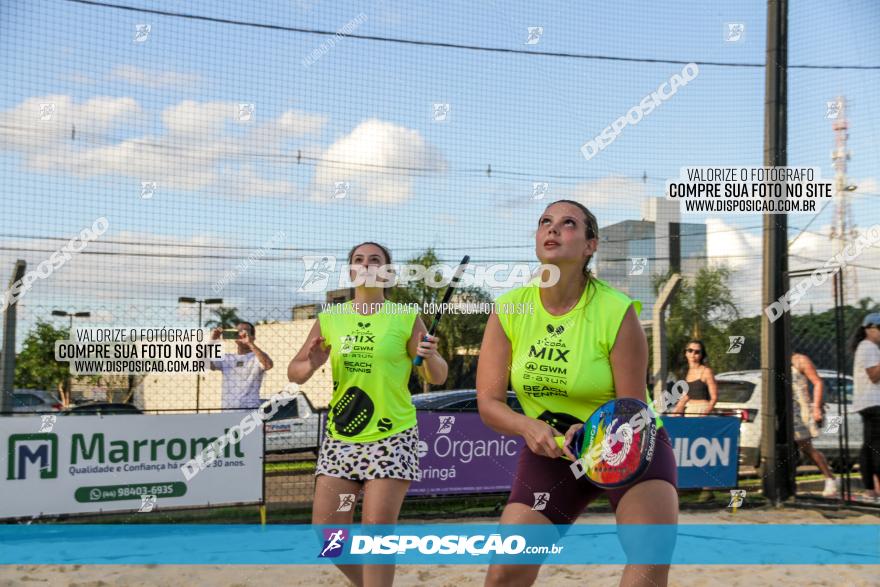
(563, 497)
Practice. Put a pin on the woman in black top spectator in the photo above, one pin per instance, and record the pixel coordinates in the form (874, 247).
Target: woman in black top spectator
(702, 390)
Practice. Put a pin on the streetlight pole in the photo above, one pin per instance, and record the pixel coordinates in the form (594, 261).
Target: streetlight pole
(65, 400)
(210, 302)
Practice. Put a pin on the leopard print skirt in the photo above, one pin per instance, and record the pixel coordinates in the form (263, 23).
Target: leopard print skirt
(394, 457)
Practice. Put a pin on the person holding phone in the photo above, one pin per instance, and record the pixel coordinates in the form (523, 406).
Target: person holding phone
(243, 370)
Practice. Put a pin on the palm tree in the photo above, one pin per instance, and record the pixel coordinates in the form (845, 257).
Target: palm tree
(224, 318)
(703, 309)
(457, 331)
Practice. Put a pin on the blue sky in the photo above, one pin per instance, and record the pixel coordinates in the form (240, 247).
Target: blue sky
(526, 115)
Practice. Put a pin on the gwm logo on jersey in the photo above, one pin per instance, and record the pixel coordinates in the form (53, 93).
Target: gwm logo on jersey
(359, 347)
(33, 454)
(546, 373)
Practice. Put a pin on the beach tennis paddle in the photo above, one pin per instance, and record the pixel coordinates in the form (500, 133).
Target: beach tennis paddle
(446, 297)
(616, 444)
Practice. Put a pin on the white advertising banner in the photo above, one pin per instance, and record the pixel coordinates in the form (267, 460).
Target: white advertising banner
(77, 464)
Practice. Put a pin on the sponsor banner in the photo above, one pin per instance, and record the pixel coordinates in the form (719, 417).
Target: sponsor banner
(462, 543)
(706, 450)
(81, 464)
(459, 454)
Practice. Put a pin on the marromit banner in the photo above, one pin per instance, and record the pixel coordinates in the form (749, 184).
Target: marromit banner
(78, 464)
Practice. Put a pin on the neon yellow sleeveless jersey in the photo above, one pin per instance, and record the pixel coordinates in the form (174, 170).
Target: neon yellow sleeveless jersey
(371, 371)
(561, 365)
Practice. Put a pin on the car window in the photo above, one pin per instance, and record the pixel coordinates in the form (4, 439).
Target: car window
(285, 412)
(26, 399)
(735, 392)
(831, 394)
(464, 405)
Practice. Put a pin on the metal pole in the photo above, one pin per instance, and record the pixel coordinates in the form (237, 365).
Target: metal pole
(664, 298)
(776, 438)
(198, 376)
(68, 383)
(7, 361)
(842, 438)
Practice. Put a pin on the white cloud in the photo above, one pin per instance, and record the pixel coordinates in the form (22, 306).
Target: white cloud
(867, 185)
(611, 199)
(742, 251)
(156, 79)
(295, 123)
(116, 277)
(731, 246)
(204, 146)
(80, 78)
(367, 158)
(612, 191)
(21, 127)
(199, 120)
(244, 181)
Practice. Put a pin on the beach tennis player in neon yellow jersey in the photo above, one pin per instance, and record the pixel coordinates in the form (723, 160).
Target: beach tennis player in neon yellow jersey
(580, 347)
(371, 440)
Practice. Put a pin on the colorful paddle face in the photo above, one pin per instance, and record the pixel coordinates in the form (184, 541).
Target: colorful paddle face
(616, 444)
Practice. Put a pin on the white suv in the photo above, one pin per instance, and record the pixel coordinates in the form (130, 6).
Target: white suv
(739, 394)
(294, 427)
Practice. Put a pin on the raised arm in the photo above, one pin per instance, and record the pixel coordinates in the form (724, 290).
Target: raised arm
(264, 359)
(310, 357)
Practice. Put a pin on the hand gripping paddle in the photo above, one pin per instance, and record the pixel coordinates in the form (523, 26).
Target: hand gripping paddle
(616, 444)
(446, 296)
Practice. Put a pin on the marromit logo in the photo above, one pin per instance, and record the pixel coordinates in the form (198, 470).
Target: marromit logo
(40, 451)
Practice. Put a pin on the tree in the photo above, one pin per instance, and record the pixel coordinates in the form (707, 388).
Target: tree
(703, 309)
(457, 332)
(224, 318)
(35, 365)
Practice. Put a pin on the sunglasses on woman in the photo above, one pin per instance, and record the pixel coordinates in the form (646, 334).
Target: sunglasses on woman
(696, 351)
